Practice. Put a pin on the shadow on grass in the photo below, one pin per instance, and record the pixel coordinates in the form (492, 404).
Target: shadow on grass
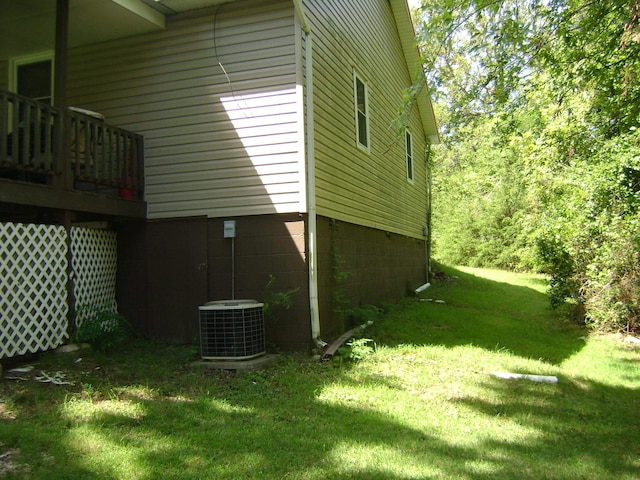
(278, 424)
(580, 425)
(150, 415)
(344, 442)
(465, 309)
(258, 425)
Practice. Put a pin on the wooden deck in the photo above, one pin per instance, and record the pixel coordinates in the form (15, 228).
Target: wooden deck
(68, 159)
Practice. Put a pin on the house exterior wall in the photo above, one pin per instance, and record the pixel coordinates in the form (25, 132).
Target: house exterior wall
(266, 247)
(218, 99)
(169, 267)
(215, 97)
(363, 266)
(364, 188)
(200, 157)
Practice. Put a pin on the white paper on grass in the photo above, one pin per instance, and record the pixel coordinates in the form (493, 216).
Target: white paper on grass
(525, 376)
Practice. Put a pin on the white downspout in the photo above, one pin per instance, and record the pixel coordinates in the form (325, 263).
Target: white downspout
(311, 201)
(311, 182)
(429, 183)
(427, 232)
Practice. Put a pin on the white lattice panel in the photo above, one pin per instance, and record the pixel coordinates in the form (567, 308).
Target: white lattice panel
(94, 260)
(33, 295)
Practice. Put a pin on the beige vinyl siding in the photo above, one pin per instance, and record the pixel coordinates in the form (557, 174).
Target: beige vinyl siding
(369, 189)
(219, 140)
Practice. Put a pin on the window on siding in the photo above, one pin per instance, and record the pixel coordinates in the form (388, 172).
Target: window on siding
(362, 112)
(408, 148)
(33, 77)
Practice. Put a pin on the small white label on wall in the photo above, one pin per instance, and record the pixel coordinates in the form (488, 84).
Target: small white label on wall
(229, 229)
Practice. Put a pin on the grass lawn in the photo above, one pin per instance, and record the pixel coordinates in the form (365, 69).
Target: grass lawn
(423, 405)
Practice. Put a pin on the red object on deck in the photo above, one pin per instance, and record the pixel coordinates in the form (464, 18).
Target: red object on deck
(127, 193)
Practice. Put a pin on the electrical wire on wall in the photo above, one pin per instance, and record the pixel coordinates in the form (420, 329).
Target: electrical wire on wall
(215, 46)
(224, 70)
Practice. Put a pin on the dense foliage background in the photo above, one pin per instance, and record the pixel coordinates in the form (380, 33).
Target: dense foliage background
(539, 166)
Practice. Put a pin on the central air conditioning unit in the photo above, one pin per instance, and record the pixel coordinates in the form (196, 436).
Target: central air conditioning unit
(232, 330)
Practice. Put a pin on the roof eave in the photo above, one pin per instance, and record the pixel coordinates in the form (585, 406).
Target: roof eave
(406, 31)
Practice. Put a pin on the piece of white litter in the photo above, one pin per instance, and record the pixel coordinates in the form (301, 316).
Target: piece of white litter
(634, 340)
(57, 378)
(524, 376)
(25, 369)
(70, 347)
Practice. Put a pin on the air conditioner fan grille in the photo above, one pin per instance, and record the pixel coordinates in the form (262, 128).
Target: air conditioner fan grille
(232, 331)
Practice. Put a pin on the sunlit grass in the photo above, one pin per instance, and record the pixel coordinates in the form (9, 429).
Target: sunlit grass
(617, 361)
(424, 404)
(81, 411)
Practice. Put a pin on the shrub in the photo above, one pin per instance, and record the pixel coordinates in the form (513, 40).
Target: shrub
(101, 327)
(612, 284)
(356, 349)
(276, 300)
(557, 262)
(591, 251)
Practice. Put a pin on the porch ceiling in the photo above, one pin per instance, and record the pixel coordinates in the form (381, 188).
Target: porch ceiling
(28, 26)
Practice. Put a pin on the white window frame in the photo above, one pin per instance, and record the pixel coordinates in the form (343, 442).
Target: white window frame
(366, 114)
(408, 155)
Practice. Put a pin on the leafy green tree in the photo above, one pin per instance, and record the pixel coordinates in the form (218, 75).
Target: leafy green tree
(540, 105)
(483, 55)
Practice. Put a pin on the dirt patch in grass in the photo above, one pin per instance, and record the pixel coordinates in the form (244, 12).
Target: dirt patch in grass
(9, 462)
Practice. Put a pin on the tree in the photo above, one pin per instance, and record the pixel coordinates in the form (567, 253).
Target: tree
(482, 55)
(538, 168)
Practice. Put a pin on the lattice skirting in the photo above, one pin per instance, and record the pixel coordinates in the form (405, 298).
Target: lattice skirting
(33, 279)
(33, 282)
(94, 262)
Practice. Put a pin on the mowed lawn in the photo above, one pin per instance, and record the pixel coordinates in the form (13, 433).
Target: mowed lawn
(423, 405)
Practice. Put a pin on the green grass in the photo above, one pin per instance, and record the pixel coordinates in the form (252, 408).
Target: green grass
(423, 405)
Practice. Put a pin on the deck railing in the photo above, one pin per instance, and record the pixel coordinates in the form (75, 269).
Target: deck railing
(72, 149)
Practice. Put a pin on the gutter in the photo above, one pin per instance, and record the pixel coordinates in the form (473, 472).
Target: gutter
(312, 229)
